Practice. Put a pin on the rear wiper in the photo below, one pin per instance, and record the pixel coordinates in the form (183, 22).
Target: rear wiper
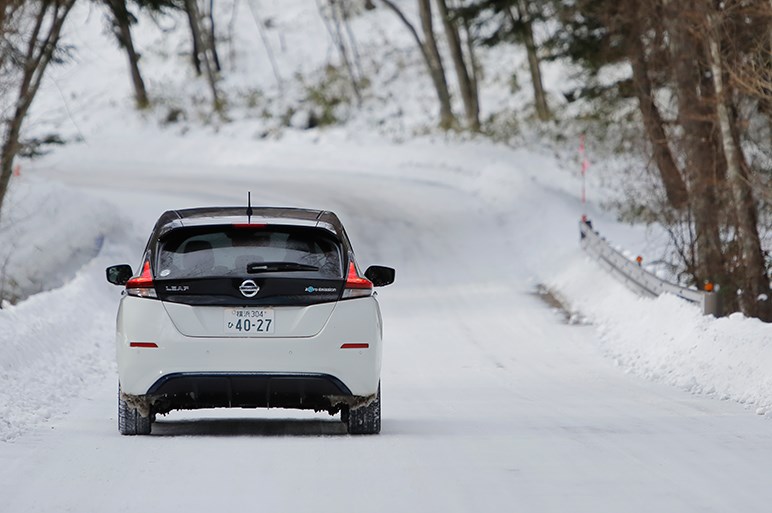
(267, 267)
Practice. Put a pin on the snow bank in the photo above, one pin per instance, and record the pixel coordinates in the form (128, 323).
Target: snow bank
(56, 342)
(47, 233)
(669, 340)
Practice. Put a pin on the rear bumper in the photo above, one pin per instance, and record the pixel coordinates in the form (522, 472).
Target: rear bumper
(249, 371)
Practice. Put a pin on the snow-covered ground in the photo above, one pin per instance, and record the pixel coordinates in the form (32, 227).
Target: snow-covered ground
(491, 401)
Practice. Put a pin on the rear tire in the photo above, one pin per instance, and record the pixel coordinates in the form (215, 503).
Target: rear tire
(366, 419)
(130, 422)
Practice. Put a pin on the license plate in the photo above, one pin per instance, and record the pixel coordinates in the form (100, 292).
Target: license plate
(249, 321)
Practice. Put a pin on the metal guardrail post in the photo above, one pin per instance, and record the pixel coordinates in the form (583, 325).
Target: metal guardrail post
(711, 304)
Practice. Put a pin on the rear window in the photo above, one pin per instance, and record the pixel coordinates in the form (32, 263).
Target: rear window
(231, 251)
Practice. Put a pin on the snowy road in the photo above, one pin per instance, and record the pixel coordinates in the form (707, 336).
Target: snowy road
(490, 401)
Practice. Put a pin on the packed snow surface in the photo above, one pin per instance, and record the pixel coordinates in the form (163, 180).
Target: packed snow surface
(491, 402)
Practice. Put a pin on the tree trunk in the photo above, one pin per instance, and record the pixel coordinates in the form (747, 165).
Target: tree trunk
(766, 100)
(701, 154)
(675, 187)
(212, 38)
(468, 95)
(193, 23)
(755, 296)
(121, 20)
(473, 64)
(540, 99)
(36, 60)
(447, 119)
(204, 50)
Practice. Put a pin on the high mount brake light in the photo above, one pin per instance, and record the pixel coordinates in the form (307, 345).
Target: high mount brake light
(142, 285)
(356, 286)
(249, 225)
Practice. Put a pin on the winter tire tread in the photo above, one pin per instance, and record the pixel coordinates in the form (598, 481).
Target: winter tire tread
(366, 419)
(130, 422)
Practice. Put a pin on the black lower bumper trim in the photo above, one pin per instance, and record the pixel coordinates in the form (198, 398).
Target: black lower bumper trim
(245, 390)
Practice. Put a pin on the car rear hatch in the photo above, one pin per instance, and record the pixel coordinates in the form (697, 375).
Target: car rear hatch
(249, 279)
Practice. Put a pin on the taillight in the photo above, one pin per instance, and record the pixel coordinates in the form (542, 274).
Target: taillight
(142, 285)
(356, 286)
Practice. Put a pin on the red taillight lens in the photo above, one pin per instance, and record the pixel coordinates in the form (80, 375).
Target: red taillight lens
(142, 285)
(356, 286)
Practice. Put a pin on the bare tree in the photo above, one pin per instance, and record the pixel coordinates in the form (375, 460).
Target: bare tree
(673, 182)
(750, 69)
(465, 75)
(121, 20)
(703, 167)
(212, 39)
(497, 21)
(707, 45)
(524, 21)
(195, 29)
(473, 64)
(755, 293)
(38, 26)
(430, 42)
(334, 25)
(431, 56)
(766, 65)
(203, 46)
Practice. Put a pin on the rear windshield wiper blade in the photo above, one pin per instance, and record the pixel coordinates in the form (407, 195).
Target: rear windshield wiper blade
(267, 267)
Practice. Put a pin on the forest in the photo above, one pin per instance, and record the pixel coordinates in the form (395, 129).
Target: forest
(697, 72)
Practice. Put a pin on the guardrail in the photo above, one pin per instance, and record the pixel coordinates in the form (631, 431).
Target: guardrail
(636, 277)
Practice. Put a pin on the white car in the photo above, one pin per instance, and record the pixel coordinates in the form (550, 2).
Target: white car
(242, 307)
